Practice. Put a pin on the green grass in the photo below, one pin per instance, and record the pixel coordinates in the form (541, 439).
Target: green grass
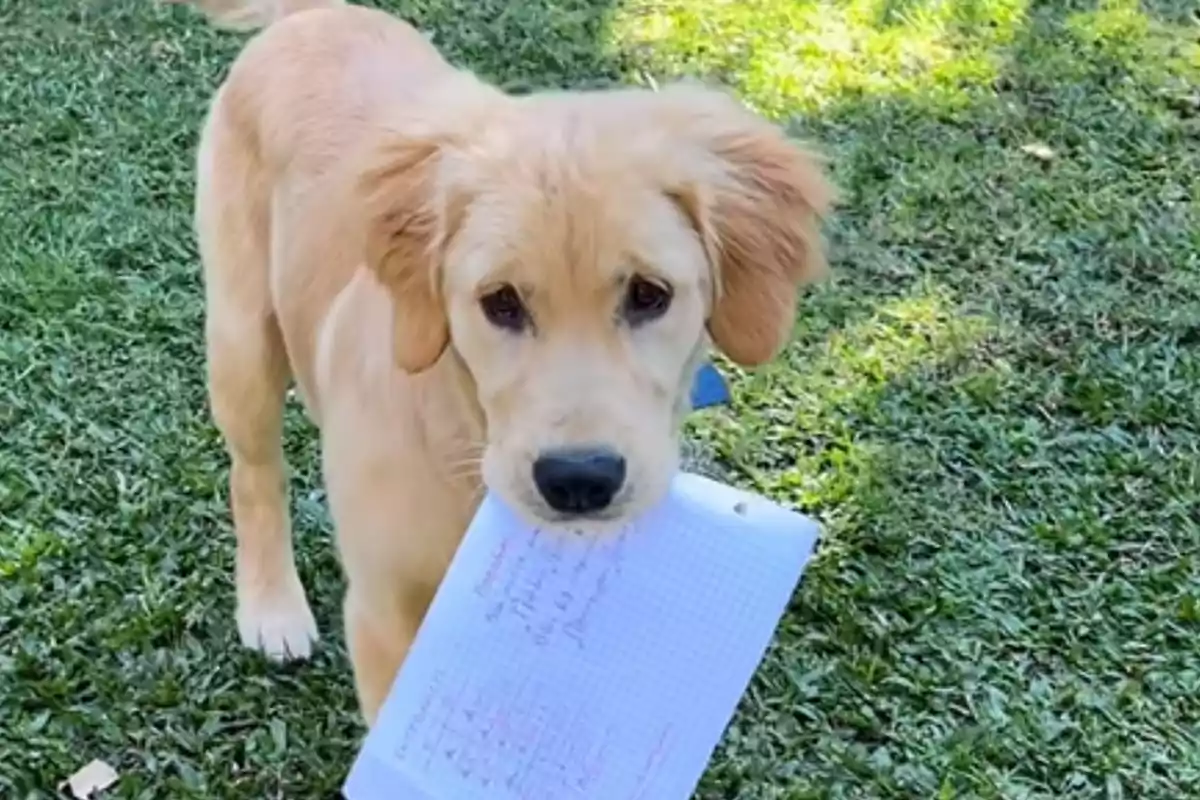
(993, 406)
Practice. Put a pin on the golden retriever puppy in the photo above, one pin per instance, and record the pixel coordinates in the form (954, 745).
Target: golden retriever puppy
(468, 289)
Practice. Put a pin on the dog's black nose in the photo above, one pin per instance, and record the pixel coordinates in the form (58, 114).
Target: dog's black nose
(579, 480)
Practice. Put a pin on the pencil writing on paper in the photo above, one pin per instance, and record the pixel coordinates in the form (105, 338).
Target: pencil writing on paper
(547, 591)
(496, 733)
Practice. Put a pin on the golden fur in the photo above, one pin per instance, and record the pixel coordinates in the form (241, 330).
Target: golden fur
(357, 196)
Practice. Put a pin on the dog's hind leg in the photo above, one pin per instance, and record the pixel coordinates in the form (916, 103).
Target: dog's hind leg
(248, 374)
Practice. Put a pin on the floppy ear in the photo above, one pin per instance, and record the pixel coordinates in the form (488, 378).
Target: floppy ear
(407, 224)
(758, 210)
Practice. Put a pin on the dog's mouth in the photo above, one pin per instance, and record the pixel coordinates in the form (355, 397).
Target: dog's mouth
(629, 504)
(589, 519)
(612, 517)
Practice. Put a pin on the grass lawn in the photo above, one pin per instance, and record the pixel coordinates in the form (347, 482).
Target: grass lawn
(993, 407)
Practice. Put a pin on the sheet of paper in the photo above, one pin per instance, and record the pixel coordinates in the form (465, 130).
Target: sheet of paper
(556, 667)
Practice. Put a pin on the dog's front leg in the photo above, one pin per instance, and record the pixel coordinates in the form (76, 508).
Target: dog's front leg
(378, 635)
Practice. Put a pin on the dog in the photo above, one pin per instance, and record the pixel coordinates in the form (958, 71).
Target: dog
(467, 289)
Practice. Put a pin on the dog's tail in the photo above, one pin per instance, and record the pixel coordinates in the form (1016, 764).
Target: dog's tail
(248, 15)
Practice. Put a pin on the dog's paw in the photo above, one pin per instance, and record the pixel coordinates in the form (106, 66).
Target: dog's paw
(280, 625)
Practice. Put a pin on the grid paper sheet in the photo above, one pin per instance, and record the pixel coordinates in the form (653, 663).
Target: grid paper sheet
(558, 667)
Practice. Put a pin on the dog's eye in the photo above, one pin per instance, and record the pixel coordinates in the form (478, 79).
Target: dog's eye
(504, 309)
(645, 300)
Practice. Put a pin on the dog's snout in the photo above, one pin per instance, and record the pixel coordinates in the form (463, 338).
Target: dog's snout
(579, 480)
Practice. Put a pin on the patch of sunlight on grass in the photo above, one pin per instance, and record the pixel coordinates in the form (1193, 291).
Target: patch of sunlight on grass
(845, 386)
(821, 404)
(23, 550)
(1121, 29)
(902, 335)
(786, 55)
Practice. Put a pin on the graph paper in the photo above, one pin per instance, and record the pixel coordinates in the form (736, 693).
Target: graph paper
(562, 667)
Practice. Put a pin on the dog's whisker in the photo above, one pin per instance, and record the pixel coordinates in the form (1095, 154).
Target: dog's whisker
(469, 463)
(473, 452)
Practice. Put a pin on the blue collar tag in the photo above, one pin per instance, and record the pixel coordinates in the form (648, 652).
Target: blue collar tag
(709, 387)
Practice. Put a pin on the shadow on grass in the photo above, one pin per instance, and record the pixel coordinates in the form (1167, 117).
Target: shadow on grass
(521, 46)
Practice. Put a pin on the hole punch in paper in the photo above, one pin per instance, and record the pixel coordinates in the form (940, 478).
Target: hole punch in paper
(562, 667)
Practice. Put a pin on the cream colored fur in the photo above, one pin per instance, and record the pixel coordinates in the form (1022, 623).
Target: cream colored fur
(358, 197)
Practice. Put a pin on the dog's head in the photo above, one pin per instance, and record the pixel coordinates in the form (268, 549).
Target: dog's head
(579, 252)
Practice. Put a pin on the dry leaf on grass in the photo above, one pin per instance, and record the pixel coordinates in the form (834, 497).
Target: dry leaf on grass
(1039, 151)
(95, 777)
